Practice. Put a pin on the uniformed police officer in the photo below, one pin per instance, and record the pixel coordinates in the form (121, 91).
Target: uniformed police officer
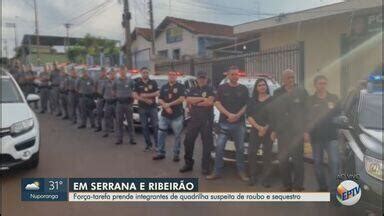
(100, 100)
(123, 90)
(200, 99)
(86, 89)
(146, 91)
(55, 91)
(289, 108)
(63, 88)
(171, 100)
(110, 103)
(73, 96)
(44, 86)
(29, 78)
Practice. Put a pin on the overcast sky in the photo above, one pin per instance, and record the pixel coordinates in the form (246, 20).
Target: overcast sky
(106, 21)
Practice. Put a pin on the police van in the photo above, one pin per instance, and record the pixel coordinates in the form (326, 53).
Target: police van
(230, 149)
(361, 137)
(19, 132)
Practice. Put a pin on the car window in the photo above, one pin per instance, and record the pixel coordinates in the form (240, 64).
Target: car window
(9, 92)
(370, 113)
(161, 82)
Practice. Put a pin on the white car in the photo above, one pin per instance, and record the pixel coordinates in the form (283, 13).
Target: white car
(20, 133)
(230, 149)
(187, 80)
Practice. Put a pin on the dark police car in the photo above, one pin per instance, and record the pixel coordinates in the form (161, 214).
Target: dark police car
(361, 137)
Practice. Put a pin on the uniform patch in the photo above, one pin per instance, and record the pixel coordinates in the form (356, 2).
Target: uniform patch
(126, 85)
(88, 83)
(297, 100)
(145, 89)
(150, 87)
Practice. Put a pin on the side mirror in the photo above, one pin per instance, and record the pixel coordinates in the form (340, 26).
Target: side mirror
(342, 122)
(33, 98)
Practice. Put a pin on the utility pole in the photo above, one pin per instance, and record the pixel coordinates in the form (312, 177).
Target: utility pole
(37, 32)
(66, 42)
(128, 41)
(151, 23)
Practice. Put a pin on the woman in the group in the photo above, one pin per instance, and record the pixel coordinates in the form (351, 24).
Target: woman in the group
(258, 112)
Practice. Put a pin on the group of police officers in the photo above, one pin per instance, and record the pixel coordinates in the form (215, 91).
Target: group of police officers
(290, 115)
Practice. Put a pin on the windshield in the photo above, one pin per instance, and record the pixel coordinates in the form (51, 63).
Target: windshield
(370, 111)
(161, 82)
(9, 92)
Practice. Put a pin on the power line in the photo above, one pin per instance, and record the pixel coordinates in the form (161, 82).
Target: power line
(96, 13)
(97, 7)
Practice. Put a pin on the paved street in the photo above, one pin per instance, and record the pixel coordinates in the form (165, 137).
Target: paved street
(69, 152)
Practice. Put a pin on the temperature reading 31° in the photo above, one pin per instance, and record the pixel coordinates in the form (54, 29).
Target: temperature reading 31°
(54, 185)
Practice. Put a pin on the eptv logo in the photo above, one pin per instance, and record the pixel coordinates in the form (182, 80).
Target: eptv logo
(348, 193)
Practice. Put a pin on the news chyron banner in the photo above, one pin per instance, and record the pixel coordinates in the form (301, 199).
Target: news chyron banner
(146, 190)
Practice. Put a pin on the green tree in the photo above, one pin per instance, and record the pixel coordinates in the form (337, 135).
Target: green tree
(91, 45)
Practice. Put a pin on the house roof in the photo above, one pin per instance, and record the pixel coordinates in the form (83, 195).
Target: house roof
(144, 32)
(49, 40)
(46, 40)
(197, 27)
(309, 14)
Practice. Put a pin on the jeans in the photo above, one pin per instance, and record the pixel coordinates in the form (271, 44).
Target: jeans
(332, 148)
(151, 114)
(177, 126)
(237, 132)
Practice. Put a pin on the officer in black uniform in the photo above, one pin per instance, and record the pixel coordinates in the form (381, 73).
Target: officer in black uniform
(145, 92)
(200, 99)
(288, 124)
(100, 100)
